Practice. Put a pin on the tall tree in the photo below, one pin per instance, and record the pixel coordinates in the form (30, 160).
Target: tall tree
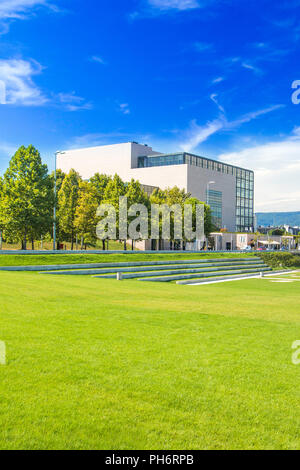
(67, 202)
(170, 197)
(85, 215)
(115, 189)
(27, 197)
(100, 182)
(136, 195)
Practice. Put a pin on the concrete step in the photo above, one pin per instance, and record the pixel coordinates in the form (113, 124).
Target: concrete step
(58, 267)
(136, 269)
(258, 267)
(204, 275)
(229, 278)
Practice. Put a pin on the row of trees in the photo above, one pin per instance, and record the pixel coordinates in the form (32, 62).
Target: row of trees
(27, 201)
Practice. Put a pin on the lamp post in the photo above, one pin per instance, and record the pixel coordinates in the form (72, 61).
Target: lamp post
(54, 208)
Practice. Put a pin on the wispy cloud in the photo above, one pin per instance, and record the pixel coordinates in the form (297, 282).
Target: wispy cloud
(16, 77)
(156, 7)
(124, 108)
(174, 4)
(18, 88)
(253, 115)
(20, 9)
(276, 165)
(214, 97)
(248, 64)
(98, 59)
(218, 80)
(254, 69)
(72, 102)
(196, 134)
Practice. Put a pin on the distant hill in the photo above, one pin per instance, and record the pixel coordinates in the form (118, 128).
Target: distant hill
(274, 219)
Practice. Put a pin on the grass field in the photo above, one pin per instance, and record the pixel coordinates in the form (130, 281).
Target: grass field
(101, 364)
(38, 260)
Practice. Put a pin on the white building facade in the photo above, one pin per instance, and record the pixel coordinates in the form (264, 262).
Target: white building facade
(229, 190)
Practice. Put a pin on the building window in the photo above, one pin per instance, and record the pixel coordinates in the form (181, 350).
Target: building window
(214, 200)
(161, 160)
(244, 201)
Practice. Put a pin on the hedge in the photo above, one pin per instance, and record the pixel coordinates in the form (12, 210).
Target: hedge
(284, 260)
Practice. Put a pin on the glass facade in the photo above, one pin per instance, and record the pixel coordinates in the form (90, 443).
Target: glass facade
(214, 200)
(161, 160)
(244, 181)
(244, 201)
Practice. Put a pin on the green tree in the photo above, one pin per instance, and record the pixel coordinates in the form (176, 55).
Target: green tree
(170, 197)
(85, 215)
(136, 195)
(27, 197)
(68, 196)
(100, 182)
(208, 226)
(113, 191)
(176, 196)
(277, 231)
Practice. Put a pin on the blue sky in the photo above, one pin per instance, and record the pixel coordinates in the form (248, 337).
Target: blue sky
(211, 77)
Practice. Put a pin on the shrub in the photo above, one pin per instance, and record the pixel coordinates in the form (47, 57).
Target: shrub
(278, 260)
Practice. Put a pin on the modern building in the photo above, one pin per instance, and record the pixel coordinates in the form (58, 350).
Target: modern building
(226, 188)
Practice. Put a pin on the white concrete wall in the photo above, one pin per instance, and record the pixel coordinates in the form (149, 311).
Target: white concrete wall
(107, 159)
(221, 239)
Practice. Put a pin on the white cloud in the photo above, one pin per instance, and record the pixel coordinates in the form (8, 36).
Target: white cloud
(218, 80)
(149, 8)
(99, 60)
(18, 88)
(253, 115)
(124, 108)
(214, 97)
(16, 78)
(19, 9)
(196, 134)
(254, 69)
(174, 4)
(277, 173)
(72, 102)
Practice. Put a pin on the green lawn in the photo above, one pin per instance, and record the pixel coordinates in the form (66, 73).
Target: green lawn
(38, 260)
(101, 364)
